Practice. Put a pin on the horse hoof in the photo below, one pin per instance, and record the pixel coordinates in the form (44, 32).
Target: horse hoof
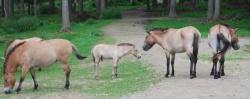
(166, 76)
(172, 75)
(18, 90)
(191, 77)
(66, 87)
(211, 74)
(97, 77)
(216, 76)
(222, 74)
(114, 77)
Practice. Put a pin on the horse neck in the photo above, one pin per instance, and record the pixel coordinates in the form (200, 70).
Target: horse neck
(124, 50)
(11, 64)
(159, 39)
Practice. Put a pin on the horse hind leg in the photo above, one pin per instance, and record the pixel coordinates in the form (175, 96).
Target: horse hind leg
(168, 62)
(191, 57)
(172, 64)
(33, 75)
(114, 69)
(25, 70)
(222, 60)
(215, 61)
(67, 71)
(96, 68)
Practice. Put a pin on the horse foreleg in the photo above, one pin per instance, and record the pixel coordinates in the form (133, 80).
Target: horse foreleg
(96, 68)
(67, 71)
(168, 62)
(25, 70)
(114, 69)
(33, 75)
(172, 64)
(222, 60)
(215, 60)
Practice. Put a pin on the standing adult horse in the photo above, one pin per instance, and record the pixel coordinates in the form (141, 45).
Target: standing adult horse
(173, 41)
(220, 38)
(36, 54)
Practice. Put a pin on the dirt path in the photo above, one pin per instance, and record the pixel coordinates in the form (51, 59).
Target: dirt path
(235, 85)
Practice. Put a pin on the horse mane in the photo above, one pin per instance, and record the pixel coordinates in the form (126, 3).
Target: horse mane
(125, 44)
(8, 55)
(227, 25)
(8, 44)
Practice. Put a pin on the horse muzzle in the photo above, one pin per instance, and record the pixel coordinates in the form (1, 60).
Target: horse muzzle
(146, 47)
(7, 90)
(236, 47)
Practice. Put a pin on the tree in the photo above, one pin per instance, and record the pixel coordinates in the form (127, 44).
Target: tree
(8, 8)
(213, 9)
(194, 3)
(216, 10)
(210, 9)
(2, 8)
(172, 12)
(21, 7)
(65, 16)
(81, 6)
(148, 5)
(52, 6)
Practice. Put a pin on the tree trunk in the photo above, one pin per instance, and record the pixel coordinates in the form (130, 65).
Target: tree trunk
(2, 8)
(35, 7)
(98, 8)
(148, 5)
(8, 8)
(194, 3)
(21, 7)
(103, 4)
(154, 3)
(31, 7)
(81, 6)
(65, 16)
(216, 10)
(210, 12)
(52, 6)
(73, 6)
(172, 12)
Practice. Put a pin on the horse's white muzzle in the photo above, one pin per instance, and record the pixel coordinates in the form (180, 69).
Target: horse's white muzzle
(7, 90)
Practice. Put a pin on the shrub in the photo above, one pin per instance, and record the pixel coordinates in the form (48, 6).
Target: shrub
(111, 13)
(21, 25)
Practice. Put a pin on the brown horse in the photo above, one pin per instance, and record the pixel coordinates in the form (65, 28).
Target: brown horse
(220, 38)
(115, 52)
(36, 54)
(175, 41)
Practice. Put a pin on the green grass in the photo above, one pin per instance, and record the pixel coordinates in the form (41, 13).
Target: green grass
(202, 25)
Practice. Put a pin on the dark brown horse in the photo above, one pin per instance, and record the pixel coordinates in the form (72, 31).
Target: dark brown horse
(221, 38)
(176, 41)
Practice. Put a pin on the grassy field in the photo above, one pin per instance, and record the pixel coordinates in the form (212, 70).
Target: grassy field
(133, 75)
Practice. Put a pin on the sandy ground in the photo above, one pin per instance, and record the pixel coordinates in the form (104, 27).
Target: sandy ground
(235, 85)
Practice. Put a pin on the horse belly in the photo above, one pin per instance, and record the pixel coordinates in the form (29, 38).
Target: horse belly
(43, 61)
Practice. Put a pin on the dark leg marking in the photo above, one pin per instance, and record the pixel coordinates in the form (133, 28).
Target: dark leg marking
(172, 64)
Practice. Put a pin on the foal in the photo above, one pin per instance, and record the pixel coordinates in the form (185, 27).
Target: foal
(220, 39)
(36, 54)
(176, 41)
(115, 52)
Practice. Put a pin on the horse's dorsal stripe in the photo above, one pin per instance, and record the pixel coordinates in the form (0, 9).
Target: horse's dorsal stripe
(8, 55)
(125, 44)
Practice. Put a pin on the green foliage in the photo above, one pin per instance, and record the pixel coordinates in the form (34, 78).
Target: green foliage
(112, 13)
(21, 25)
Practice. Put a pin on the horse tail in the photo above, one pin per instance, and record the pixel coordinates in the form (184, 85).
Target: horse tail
(196, 44)
(221, 37)
(93, 57)
(77, 53)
